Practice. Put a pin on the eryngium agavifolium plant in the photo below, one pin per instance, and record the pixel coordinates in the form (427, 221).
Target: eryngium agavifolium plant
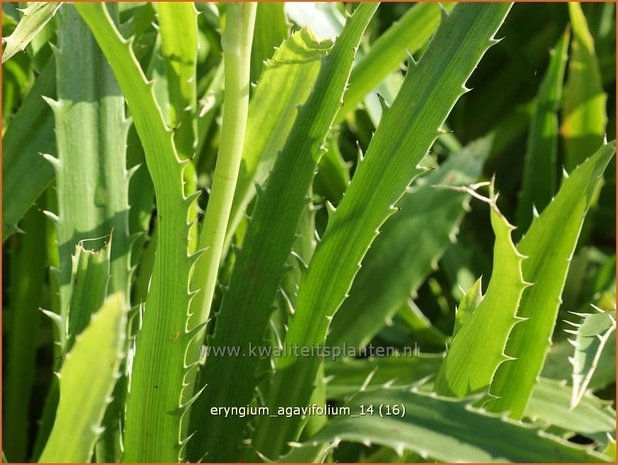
(308, 232)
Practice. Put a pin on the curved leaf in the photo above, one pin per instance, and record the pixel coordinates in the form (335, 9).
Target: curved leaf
(550, 404)
(478, 347)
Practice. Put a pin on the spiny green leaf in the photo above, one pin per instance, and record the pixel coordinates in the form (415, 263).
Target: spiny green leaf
(596, 331)
(557, 364)
(271, 30)
(260, 264)
(25, 174)
(468, 304)
(346, 376)
(91, 179)
(286, 82)
(403, 138)
(478, 347)
(96, 357)
(178, 29)
(445, 430)
(34, 18)
(92, 185)
(89, 279)
(410, 243)
(539, 182)
(161, 360)
(179, 47)
(584, 116)
(549, 245)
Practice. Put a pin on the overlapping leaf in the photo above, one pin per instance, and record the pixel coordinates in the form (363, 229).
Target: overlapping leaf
(404, 136)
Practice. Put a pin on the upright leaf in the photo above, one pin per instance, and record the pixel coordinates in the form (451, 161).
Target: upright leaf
(406, 36)
(26, 272)
(179, 48)
(259, 266)
(410, 243)
(92, 181)
(154, 429)
(539, 182)
(178, 28)
(30, 132)
(478, 347)
(96, 357)
(89, 279)
(549, 245)
(271, 30)
(403, 138)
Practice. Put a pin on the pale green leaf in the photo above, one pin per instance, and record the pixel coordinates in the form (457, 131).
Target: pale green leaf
(550, 404)
(96, 357)
(478, 347)
(92, 182)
